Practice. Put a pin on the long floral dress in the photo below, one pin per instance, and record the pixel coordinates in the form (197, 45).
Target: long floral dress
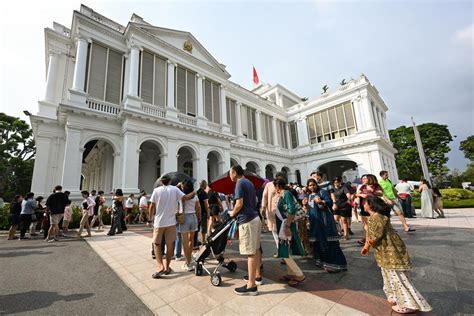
(392, 258)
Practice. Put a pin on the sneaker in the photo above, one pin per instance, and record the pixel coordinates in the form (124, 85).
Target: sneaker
(51, 240)
(178, 258)
(185, 267)
(246, 291)
(258, 281)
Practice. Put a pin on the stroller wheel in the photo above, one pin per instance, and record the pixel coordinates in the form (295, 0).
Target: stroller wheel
(198, 269)
(216, 279)
(231, 266)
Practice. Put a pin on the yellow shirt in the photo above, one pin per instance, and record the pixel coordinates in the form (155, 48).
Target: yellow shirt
(389, 250)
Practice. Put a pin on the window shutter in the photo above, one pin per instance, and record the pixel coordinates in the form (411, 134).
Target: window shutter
(349, 115)
(97, 71)
(227, 106)
(191, 93)
(160, 81)
(216, 103)
(319, 126)
(114, 76)
(340, 117)
(311, 126)
(208, 99)
(332, 119)
(253, 124)
(147, 77)
(181, 90)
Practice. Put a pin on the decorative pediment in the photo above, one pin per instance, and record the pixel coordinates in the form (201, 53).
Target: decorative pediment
(183, 41)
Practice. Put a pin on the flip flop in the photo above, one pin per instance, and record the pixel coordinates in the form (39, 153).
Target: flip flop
(294, 282)
(410, 230)
(400, 310)
(167, 271)
(286, 278)
(157, 274)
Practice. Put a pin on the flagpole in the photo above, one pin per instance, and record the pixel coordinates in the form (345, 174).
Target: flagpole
(421, 153)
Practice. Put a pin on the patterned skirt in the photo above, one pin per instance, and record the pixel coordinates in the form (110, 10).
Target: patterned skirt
(399, 289)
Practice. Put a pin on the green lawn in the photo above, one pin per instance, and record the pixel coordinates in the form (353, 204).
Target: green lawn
(465, 203)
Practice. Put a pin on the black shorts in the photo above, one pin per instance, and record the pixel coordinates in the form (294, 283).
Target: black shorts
(344, 211)
(362, 211)
(203, 223)
(14, 219)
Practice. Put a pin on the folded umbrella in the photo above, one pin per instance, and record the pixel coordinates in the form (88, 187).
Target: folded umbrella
(176, 177)
(225, 185)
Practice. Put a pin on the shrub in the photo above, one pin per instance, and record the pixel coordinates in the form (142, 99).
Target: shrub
(4, 215)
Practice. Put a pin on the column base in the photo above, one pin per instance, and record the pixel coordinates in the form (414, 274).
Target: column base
(172, 114)
(47, 109)
(132, 102)
(225, 128)
(260, 144)
(77, 98)
(201, 121)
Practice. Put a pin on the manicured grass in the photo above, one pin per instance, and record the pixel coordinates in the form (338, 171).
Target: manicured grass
(465, 203)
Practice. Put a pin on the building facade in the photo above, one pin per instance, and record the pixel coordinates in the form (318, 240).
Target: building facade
(124, 104)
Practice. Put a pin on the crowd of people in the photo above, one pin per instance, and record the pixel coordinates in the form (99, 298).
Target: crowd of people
(304, 221)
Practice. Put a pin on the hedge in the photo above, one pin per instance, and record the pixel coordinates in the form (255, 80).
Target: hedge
(452, 198)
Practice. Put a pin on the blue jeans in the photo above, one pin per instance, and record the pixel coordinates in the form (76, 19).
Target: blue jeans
(178, 244)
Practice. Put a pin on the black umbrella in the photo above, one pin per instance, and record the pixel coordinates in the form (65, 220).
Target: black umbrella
(176, 177)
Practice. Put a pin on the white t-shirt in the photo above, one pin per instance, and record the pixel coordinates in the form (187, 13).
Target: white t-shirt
(166, 200)
(404, 188)
(189, 205)
(129, 203)
(143, 202)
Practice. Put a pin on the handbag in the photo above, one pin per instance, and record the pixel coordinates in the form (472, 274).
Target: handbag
(299, 213)
(284, 249)
(180, 218)
(234, 231)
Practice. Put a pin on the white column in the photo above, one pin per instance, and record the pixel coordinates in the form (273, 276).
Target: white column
(52, 78)
(171, 158)
(131, 98)
(97, 180)
(381, 127)
(201, 119)
(171, 111)
(258, 125)
(287, 133)
(134, 67)
(81, 64)
(226, 165)
(367, 113)
(225, 127)
(302, 131)
(359, 114)
(238, 121)
(130, 162)
(116, 175)
(72, 161)
(274, 131)
(38, 183)
(200, 164)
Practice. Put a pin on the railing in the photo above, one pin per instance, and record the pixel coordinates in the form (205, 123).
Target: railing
(214, 126)
(102, 106)
(153, 110)
(187, 119)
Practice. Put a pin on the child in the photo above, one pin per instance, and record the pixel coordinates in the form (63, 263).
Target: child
(392, 257)
(67, 217)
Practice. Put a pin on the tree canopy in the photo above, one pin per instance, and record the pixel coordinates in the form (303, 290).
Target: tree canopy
(467, 146)
(435, 139)
(17, 152)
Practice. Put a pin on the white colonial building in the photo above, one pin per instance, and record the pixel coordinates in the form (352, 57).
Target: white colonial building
(124, 104)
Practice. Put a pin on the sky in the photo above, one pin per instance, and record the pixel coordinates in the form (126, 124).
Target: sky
(419, 54)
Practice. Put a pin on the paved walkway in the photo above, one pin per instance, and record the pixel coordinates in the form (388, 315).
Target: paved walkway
(184, 293)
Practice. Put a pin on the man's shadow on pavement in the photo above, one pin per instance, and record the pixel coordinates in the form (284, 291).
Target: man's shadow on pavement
(34, 300)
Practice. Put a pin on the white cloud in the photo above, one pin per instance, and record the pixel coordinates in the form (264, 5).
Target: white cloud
(465, 35)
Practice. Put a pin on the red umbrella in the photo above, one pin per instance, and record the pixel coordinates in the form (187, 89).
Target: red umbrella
(225, 185)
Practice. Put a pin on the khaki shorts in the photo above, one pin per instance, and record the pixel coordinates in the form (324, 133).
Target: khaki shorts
(249, 237)
(169, 232)
(396, 207)
(55, 218)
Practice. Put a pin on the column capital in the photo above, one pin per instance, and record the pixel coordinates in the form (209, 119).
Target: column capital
(81, 37)
(200, 76)
(258, 112)
(274, 119)
(53, 52)
(238, 103)
(82, 149)
(172, 62)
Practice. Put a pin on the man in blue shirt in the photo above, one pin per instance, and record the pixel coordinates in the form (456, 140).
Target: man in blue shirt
(250, 226)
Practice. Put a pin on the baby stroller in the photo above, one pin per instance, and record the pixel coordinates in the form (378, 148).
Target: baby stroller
(215, 245)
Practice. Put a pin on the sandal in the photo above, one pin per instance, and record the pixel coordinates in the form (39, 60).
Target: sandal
(166, 272)
(400, 310)
(410, 230)
(295, 282)
(286, 278)
(157, 275)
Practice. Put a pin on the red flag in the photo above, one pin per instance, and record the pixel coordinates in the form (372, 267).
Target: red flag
(255, 77)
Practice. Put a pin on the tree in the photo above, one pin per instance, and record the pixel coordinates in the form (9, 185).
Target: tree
(17, 152)
(467, 146)
(435, 139)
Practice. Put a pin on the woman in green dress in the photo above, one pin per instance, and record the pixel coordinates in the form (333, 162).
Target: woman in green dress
(392, 258)
(289, 240)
